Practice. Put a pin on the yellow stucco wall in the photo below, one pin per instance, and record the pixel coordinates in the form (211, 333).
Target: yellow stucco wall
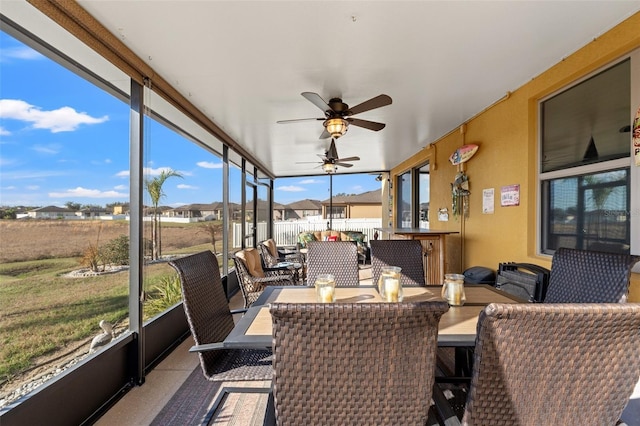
(507, 133)
(365, 211)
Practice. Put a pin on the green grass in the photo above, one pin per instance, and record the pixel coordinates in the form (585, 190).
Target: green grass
(42, 312)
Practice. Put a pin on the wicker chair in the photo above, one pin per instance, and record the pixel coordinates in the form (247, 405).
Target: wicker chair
(271, 255)
(253, 278)
(354, 364)
(339, 258)
(581, 276)
(406, 254)
(552, 364)
(210, 321)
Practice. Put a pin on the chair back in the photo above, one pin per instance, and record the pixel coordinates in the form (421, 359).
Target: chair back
(554, 364)
(205, 303)
(339, 258)
(583, 276)
(407, 254)
(269, 253)
(251, 289)
(354, 363)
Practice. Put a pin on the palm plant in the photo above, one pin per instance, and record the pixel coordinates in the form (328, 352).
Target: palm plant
(154, 188)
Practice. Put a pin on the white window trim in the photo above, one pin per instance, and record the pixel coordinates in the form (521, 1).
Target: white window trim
(634, 174)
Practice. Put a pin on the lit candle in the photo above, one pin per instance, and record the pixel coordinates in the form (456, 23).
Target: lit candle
(391, 289)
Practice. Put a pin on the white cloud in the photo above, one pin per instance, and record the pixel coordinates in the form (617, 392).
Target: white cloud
(33, 187)
(8, 188)
(357, 188)
(183, 186)
(47, 149)
(88, 193)
(309, 181)
(64, 119)
(150, 172)
(4, 132)
(290, 188)
(121, 187)
(6, 162)
(21, 52)
(209, 165)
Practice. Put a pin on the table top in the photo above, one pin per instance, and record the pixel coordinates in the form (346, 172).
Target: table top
(457, 326)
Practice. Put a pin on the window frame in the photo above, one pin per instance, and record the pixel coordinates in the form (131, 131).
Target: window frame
(626, 162)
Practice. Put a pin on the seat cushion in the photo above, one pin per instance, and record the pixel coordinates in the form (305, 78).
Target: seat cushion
(251, 259)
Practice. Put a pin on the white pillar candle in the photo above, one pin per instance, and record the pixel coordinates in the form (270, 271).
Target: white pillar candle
(326, 293)
(391, 289)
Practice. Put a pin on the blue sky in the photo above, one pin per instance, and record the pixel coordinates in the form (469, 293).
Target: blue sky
(63, 139)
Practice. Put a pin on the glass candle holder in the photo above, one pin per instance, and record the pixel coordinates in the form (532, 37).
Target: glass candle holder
(325, 288)
(453, 289)
(390, 285)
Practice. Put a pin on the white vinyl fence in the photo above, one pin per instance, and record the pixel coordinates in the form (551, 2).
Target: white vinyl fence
(285, 233)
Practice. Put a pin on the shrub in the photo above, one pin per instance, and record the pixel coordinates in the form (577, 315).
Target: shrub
(91, 258)
(166, 294)
(116, 251)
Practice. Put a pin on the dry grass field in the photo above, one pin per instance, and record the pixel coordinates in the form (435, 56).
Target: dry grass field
(49, 239)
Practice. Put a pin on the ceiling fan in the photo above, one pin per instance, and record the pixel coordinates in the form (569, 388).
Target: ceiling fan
(338, 115)
(330, 159)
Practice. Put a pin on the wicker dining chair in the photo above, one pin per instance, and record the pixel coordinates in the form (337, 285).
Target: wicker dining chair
(552, 364)
(407, 254)
(582, 276)
(339, 258)
(354, 363)
(210, 321)
(253, 278)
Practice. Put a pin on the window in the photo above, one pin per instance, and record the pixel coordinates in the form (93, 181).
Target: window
(404, 206)
(422, 190)
(585, 164)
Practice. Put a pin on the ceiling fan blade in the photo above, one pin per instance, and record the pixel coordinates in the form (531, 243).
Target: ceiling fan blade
(315, 99)
(299, 119)
(309, 162)
(371, 125)
(348, 159)
(343, 164)
(377, 102)
(325, 135)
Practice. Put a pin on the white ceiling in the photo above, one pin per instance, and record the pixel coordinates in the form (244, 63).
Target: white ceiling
(245, 63)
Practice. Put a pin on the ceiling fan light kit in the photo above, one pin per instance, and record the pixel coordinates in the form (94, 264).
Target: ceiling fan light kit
(329, 168)
(336, 127)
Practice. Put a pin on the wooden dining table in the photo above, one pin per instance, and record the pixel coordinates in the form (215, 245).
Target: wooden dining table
(457, 326)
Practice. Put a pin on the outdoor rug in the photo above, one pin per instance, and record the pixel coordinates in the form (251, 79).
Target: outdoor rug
(193, 403)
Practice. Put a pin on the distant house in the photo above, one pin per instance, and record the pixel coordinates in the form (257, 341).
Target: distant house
(301, 209)
(121, 209)
(212, 211)
(365, 205)
(52, 212)
(93, 212)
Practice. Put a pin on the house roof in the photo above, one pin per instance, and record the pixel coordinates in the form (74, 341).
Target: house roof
(53, 209)
(306, 204)
(370, 197)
